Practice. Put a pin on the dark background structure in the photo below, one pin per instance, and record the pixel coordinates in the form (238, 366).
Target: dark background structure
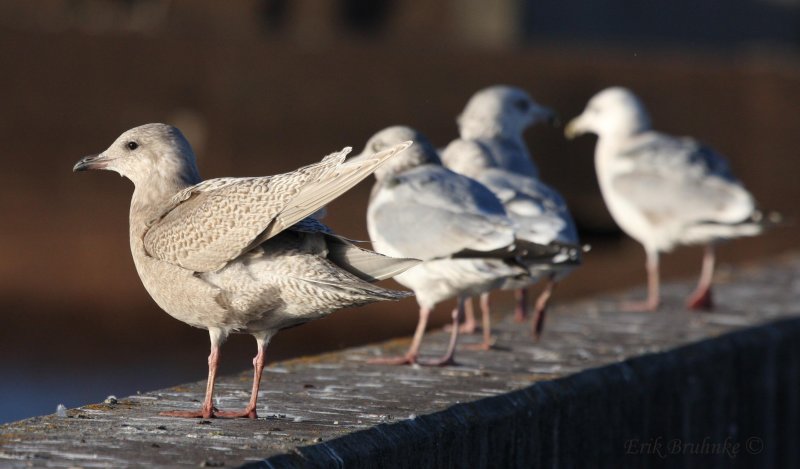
(264, 86)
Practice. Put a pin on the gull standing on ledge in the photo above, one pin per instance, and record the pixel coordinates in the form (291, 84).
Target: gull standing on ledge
(491, 149)
(664, 191)
(452, 223)
(242, 254)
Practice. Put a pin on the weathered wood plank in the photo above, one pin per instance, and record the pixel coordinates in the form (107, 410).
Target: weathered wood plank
(598, 379)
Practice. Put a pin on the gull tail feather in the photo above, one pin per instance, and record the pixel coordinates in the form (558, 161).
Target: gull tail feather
(368, 292)
(554, 252)
(758, 222)
(363, 263)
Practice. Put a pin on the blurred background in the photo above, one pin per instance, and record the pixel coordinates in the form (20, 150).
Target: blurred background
(264, 86)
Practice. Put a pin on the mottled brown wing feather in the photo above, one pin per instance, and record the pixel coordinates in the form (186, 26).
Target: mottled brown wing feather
(214, 222)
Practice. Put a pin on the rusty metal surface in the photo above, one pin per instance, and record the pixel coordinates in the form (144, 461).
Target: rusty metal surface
(597, 377)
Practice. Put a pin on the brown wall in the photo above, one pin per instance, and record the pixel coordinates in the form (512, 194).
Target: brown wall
(67, 282)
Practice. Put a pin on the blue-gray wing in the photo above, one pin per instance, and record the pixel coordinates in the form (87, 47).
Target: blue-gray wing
(539, 211)
(669, 178)
(430, 212)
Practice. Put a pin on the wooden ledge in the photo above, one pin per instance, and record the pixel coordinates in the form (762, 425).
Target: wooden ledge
(601, 388)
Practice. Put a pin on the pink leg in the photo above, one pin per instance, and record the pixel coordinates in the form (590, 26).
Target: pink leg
(486, 325)
(413, 351)
(449, 357)
(653, 294)
(208, 410)
(521, 309)
(469, 326)
(537, 323)
(700, 299)
(258, 368)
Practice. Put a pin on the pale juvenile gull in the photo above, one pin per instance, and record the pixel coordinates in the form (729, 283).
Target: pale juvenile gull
(455, 225)
(492, 150)
(242, 254)
(664, 191)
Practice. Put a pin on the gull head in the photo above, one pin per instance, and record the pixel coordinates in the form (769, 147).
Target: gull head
(501, 111)
(151, 152)
(612, 112)
(421, 152)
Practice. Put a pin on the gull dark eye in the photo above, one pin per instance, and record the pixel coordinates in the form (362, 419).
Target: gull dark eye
(522, 104)
(132, 145)
(377, 146)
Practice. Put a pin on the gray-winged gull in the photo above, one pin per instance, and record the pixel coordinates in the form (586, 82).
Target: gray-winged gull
(540, 214)
(242, 254)
(492, 150)
(452, 223)
(455, 225)
(663, 191)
